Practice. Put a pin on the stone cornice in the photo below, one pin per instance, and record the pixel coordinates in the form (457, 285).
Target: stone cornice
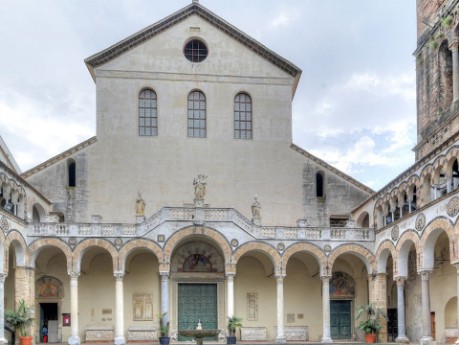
(332, 169)
(140, 37)
(59, 157)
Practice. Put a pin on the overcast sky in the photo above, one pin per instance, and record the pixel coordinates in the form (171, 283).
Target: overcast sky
(355, 106)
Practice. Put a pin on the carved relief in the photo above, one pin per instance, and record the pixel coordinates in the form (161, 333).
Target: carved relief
(252, 306)
(142, 306)
(453, 207)
(4, 224)
(395, 233)
(420, 222)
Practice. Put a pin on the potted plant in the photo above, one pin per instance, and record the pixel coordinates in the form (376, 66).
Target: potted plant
(234, 322)
(20, 319)
(164, 338)
(371, 325)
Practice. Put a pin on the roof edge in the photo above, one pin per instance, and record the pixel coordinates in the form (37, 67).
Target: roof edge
(143, 35)
(59, 157)
(333, 169)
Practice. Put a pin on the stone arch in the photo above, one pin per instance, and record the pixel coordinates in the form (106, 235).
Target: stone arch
(427, 172)
(453, 152)
(37, 246)
(361, 252)
(130, 246)
(265, 248)
(429, 238)
(38, 213)
(206, 232)
(385, 249)
(16, 239)
(362, 220)
(403, 247)
(309, 248)
(96, 242)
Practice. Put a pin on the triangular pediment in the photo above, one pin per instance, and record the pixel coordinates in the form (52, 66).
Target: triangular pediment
(195, 8)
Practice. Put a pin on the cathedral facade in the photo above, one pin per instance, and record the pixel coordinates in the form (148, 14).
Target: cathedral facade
(193, 204)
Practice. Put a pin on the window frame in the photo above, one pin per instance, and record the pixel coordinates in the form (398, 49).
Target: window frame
(196, 117)
(147, 114)
(241, 130)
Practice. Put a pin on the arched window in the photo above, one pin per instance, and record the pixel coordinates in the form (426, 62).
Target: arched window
(242, 116)
(196, 115)
(71, 170)
(320, 190)
(148, 113)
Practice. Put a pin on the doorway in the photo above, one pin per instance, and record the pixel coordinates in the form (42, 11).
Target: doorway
(197, 302)
(340, 319)
(49, 317)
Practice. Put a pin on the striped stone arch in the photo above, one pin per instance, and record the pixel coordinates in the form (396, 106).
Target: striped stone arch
(430, 235)
(403, 187)
(414, 179)
(402, 247)
(129, 247)
(309, 248)
(379, 203)
(453, 152)
(16, 239)
(36, 247)
(428, 170)
(265, 248)
(199, 231)
(385, 249)
(394, 192)
(82, 247)
(439, 161)
(356, 249)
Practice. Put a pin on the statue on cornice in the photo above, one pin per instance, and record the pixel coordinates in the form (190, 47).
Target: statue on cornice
(256, 211)
(140, 206)
(199, 184)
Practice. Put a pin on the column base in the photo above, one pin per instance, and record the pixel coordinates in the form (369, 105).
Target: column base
(427, 341)
(326, 340)
(74, 340)
(120, 340)
(402, 340)
(281, 340)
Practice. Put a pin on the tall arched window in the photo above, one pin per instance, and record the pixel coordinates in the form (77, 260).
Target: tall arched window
(196, 115)
(242, 116)
(71, 170)
(320, 190)
(148, 113)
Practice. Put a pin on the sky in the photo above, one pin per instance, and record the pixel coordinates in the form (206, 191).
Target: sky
(355, 106)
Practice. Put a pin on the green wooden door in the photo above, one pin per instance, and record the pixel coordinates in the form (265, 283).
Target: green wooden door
(197, 302)
(340, 319)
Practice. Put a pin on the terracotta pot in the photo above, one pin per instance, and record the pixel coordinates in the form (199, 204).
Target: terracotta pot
(370, 338)
(25, 340)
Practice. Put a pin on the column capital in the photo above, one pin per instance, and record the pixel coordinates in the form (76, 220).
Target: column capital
(230, 275)
(400, 280)
(425, 273)
(453, 46)
(325, 278)
(164, 273)
(279, 277)
(74, 274)
(119, 275)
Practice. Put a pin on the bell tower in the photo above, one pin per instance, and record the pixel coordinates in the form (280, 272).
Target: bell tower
(437, 73)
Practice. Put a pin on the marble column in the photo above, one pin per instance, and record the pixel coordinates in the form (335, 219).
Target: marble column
(401, 337)
(280, 337)
(230, 293)
(457, 306)
(454, 49)
(2, 309)
(119, 296)
(326, 336)
(165, 296)
(74, 337)
(426, 327)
